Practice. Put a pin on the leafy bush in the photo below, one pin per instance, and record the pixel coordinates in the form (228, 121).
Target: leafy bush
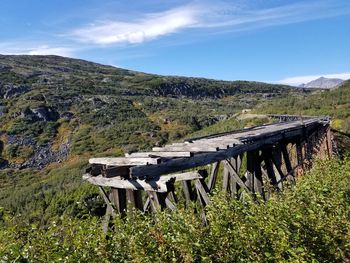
(307, 223)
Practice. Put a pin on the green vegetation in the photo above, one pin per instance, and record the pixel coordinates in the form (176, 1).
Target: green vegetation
(50, 214)
(334, 103)
(309, 222)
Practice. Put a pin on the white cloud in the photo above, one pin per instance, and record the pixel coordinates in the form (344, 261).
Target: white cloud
(17, 49)
(149, 27)
(296, 81)
(204, 15)
(45, 50)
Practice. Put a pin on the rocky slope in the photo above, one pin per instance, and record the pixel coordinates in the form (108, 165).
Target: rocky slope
(52, 108)
(323, 83)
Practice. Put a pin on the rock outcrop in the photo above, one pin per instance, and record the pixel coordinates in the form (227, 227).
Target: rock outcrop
(41, 114)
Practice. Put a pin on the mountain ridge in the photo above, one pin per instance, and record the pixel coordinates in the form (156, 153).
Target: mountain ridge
(323, 83)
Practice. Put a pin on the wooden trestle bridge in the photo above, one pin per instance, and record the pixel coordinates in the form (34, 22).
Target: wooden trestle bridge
(251, 161)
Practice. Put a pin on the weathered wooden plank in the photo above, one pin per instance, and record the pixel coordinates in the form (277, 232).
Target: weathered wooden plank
(207, 158)
(157, 186)
(220, 143)
(124, 161)
(187, 176)
(189, 148)
(160, 154)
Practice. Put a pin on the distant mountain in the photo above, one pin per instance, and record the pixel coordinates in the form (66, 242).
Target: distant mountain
(323, 83)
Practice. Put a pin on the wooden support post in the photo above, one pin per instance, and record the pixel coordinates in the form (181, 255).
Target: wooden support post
(229, 182)
(135, 198)
(110, 210)
(213, 175)
(153, 201)
(226, 178)
(254, 175)
(287, 161)
(187, 188)
(202, 192)
(277, 161)
(118, 197)
(147, 205)
(267, 157)
(235, 176)
(202, 197)
(169, 204)
(329, 143)
(161, 199)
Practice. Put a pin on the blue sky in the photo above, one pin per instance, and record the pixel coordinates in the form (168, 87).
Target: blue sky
(265, 40)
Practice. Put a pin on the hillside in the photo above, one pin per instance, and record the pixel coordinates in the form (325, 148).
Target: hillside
(53, 107)
(334, 103)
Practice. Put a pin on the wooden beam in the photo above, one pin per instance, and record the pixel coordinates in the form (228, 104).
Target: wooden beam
(267, 157)
(287, 161)
(159, 154)
(213, 175)
(118, 197)
(187, 176)
(202, 192)
(156, 186)
(235, 176)
(124, 161)
(189, 148)
(113, 171)
(226, 178)
(135, 198)
(207, 158)
(187, 188)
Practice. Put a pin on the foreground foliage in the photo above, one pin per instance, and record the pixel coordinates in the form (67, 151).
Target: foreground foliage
(309, 222)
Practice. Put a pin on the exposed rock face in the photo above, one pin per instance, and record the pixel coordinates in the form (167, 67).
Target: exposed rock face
(323, 83)
(67, 115)
(14, 91)
(187, 90)
(42, 154)
(41, 114)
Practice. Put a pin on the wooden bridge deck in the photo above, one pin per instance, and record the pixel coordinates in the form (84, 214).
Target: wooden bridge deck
(274, 152)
